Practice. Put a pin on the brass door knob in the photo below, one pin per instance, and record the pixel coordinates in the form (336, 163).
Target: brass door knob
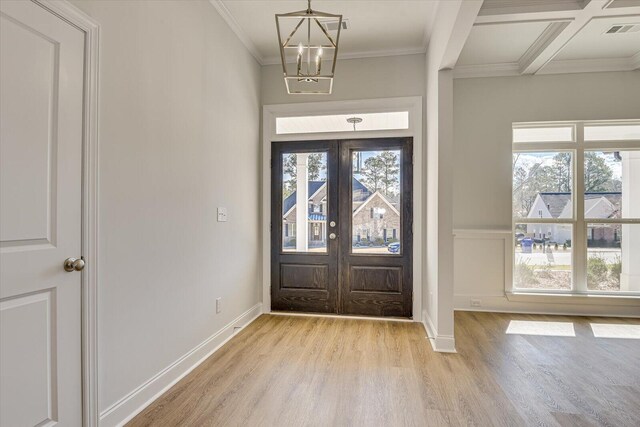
(73, 264)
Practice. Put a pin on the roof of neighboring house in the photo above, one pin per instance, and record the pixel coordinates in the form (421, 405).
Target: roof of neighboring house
(290, 201)
(360, 192)
(557, 201)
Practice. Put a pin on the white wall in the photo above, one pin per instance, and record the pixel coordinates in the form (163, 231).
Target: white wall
(366, 78)
(484, 109)
(179, 136)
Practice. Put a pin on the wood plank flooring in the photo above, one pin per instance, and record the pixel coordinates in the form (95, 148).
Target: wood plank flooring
(315, 371)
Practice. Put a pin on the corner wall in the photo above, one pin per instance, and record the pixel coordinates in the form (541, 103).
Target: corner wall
(484, 110)
(179, 137)
(453, 22)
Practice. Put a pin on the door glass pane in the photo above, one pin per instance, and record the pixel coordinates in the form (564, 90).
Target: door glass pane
(375, 205)
(542, 254)
(613, 251)
(304, 202)
(612, 184)
(542, 185)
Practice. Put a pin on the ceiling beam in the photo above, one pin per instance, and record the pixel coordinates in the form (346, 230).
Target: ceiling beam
(552, 47)
(538, 48)
(528, 7)
(566, 19)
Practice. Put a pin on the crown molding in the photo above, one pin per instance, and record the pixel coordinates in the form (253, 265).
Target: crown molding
(272, 60)
(235, 27)
(486, 70)
(566, 66)
(587, 65)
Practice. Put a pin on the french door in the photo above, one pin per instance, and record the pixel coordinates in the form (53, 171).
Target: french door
(341, 227)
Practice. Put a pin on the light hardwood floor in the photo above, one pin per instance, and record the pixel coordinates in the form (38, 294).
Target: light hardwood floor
(314, 371)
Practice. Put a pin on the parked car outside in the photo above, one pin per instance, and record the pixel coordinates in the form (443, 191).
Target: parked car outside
(394, 248)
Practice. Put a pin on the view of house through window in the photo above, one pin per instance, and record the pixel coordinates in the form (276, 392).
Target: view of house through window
(590, 247)
(304, 184)
(375, 201)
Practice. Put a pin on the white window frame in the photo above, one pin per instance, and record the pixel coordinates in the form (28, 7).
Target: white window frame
(579, 223)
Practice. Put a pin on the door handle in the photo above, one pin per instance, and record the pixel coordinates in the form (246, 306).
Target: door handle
(73, 264)
(332, 236)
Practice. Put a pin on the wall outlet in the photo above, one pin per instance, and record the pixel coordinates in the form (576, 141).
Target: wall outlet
(222, 214)
(476, 303)
(218, 305)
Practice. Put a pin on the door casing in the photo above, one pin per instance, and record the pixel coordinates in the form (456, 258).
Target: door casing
(413, 105)
(89, 239)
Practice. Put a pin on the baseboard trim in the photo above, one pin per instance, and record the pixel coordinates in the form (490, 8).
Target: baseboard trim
(132, 404)
(439, 343)
(501, 304)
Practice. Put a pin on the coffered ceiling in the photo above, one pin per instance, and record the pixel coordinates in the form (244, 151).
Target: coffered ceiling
(514, 37)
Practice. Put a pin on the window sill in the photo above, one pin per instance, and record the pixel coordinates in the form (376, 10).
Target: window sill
(582, 299)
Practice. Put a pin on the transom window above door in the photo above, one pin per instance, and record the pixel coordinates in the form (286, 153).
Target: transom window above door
(353, 122)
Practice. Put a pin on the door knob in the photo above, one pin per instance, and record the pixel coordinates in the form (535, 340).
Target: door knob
(73, 264)
(332, 236)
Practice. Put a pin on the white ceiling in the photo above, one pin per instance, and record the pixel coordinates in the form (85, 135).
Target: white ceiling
(592, 42)
(514, 37)
(378, 28)
(507, 42)
(511, 37)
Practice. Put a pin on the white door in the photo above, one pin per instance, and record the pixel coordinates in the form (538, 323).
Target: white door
(41, 95)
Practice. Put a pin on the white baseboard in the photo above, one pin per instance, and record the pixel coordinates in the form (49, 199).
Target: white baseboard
(439, 343)
(132, 404)
(538, 305)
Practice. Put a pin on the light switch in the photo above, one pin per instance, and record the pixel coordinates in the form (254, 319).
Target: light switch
(222, 214)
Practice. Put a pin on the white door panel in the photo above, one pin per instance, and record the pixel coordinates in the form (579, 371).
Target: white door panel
(41, 95)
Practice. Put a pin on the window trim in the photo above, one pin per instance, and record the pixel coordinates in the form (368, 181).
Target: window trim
(578, 221)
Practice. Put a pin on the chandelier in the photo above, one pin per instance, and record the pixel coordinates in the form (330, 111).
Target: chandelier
(309, 51)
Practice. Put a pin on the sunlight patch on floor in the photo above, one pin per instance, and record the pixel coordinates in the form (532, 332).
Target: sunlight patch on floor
(550, 329)
(615, 330)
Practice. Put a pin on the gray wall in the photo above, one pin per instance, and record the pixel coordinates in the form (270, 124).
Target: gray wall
(179, 128)
(484, 110)
(366, 78)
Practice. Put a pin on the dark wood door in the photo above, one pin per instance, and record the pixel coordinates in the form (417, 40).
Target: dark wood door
(345, 245)
(376, 228)
(304, 277)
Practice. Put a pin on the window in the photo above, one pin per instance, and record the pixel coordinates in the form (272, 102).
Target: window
(576, 207)
(338, 123)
